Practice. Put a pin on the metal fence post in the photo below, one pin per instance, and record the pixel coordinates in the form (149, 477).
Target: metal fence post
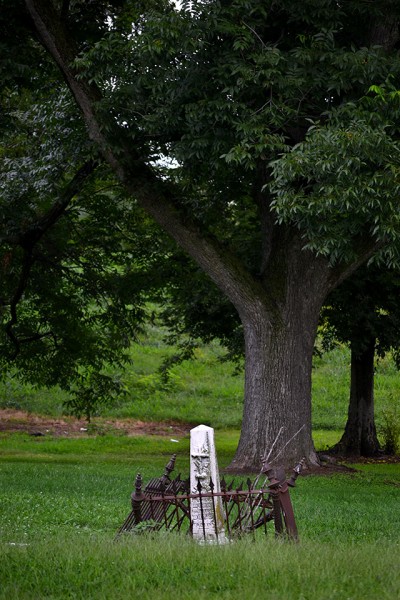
(137, 498)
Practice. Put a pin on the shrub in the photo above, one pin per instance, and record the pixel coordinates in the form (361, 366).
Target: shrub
(390, 430)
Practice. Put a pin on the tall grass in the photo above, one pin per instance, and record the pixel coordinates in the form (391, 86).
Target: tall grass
(174, 568)
(61, 502)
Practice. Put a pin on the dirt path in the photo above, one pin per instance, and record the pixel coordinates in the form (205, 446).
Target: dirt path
(17, 420)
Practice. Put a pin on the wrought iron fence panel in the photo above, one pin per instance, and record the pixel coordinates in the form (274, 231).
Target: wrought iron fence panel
(165, 504)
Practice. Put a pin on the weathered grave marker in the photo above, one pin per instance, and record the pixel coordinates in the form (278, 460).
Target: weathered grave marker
(204, 506)
(206, 511)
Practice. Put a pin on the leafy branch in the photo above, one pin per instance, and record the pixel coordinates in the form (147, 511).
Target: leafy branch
(29, 239)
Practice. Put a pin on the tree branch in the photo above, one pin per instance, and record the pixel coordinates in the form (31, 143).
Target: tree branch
(65, 9)
(31, 236)
(28, 240)
(154, 195)
(342, 272)
(27, 263)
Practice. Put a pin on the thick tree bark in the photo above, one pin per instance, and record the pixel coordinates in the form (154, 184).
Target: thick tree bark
(277, 394)
(279, 348)
(359, 437)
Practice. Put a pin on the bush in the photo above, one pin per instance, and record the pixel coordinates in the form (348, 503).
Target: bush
(390, 430)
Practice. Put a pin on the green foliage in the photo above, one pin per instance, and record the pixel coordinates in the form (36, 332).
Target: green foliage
(69, 305)
(90, 390)
(386, 93)
(238, 93)
(365, 309)
(243, 96)
(390, 429)
(348, 166)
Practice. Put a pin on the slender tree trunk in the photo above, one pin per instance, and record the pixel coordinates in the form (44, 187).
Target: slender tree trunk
(359, 437)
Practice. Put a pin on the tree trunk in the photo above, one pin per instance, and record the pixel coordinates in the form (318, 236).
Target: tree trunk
(278, 352)
(359, 437)
(277, 394)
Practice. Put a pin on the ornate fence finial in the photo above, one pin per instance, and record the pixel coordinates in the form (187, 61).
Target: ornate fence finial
(296, 472)
(169, 468)
(137, 498)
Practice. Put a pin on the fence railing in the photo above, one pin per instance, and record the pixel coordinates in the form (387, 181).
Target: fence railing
(165, 504)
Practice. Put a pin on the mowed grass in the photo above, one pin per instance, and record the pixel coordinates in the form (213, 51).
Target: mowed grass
(73, 489)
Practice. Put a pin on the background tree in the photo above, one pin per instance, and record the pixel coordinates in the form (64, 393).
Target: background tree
(364, 312)
(284, 175)
(69, 293)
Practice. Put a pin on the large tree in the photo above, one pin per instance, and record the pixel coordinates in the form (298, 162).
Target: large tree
(364, 312)
(283, 171)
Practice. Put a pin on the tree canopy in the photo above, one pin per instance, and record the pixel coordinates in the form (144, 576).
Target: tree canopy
(263, 137)
(70, 299)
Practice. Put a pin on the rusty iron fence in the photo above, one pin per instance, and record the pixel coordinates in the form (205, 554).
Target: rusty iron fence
(164, 503)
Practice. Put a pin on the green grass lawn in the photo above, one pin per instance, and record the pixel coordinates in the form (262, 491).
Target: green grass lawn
(62, 499)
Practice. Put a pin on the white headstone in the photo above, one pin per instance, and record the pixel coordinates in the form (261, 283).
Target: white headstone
(206, 512)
